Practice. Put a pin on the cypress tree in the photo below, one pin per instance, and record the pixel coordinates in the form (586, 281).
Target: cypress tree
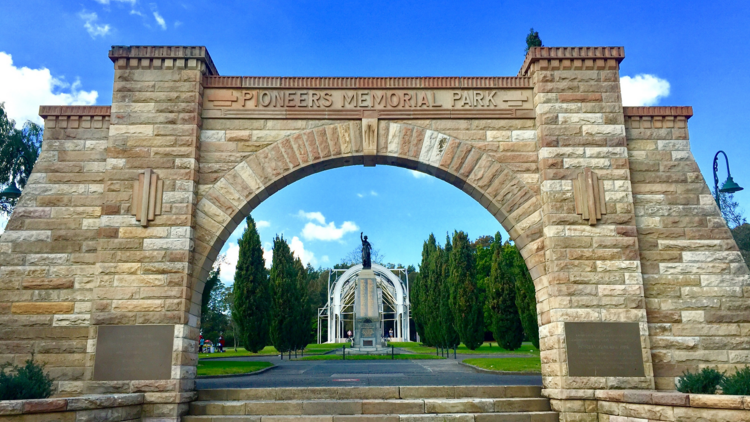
(284, 296)
(302, 314)
(252, 297)
(506, 323)
(434, 330)
(213, 280)
(450, 336)
(465, 298)
(425, 310)
(525, 294)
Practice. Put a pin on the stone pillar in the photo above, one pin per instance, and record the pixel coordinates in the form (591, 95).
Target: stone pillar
(144, 270)
(593, 271)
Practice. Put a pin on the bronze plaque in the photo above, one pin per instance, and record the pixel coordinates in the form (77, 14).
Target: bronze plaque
(604, 349)
(134, 352)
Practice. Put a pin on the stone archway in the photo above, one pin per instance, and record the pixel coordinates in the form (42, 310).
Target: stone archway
(613, 216)
(493, 185)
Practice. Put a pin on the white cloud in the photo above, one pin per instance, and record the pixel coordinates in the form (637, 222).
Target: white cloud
(418, 174)
(23, 90)
(268, 256)
(327, 232)
(177, 24)
(160, 20)
(298, 249)
(229, 265)
(323, 231)
(90, 23)
(360, 195)
(262, 224)
(317, 216)
(643, 90)
(373, 193)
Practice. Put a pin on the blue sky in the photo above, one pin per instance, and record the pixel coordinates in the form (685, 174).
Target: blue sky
(691, 53)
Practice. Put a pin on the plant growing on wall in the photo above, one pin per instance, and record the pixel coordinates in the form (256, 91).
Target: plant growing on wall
(704, 382)
(737, 383)
(24, 382)
(532, 40)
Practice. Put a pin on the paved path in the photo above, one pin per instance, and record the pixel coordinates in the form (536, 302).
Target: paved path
(339, 373)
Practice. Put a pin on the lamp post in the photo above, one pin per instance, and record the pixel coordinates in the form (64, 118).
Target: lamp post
(729, 185)
(10, 192)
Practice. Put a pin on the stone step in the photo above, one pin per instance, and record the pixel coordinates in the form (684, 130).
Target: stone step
(380, 393)
(438, 417)
(368, 407)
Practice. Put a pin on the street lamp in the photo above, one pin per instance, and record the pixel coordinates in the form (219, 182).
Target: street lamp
(10, 192)
(729, 185)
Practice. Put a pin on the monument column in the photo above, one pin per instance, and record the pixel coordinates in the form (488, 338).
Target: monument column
(146, 229)
(593, 269)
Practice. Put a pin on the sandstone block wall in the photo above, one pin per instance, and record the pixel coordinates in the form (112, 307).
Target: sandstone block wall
(74, 257)
(48, 254)
(696, 282)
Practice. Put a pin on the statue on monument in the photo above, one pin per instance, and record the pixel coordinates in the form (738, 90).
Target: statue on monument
(366, 249)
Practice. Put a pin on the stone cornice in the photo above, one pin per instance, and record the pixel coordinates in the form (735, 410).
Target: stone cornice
(47, 111)
(75, 117)
(572, 58)
(157, 57)
(684, 111)
(354, 82)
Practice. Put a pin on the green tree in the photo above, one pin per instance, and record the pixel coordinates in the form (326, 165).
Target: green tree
(422, 312)
(216, 319)
(501, 296)
(465, 299)
(730, 210)
(283, 296)
(449, 337)
(532, 40)
(252, 294)
(19, 150)
(741, 235)
(302, 315)
(434, 330)
(525, 292)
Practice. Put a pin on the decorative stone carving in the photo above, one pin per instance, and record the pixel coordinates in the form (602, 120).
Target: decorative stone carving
(147, 197)
(588, 191)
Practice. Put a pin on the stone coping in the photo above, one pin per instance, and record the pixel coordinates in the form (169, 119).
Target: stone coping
(163, 52)
(49, 110)
(364, 82)
(674, 398)
(685, 111)
(570, 53)
(69, 404)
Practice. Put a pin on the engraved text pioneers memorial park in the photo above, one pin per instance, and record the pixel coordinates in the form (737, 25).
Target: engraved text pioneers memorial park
(637, 277)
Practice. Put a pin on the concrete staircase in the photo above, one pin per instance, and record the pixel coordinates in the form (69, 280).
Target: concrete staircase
(371, 404)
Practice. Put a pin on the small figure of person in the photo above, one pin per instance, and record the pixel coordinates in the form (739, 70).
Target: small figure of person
(349, 334)
(390, 333)
(202, 343)
(221, 344)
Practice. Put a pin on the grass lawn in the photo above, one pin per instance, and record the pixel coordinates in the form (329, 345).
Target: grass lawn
(219, 367)
(369, 357)
(271, 351)
(485, 349)
(507, 364)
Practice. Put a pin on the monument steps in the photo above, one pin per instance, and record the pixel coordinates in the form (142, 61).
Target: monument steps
(392, 404)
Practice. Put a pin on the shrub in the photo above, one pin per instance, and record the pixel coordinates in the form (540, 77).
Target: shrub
(703, 382)
(24, 382)
(737, 383)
